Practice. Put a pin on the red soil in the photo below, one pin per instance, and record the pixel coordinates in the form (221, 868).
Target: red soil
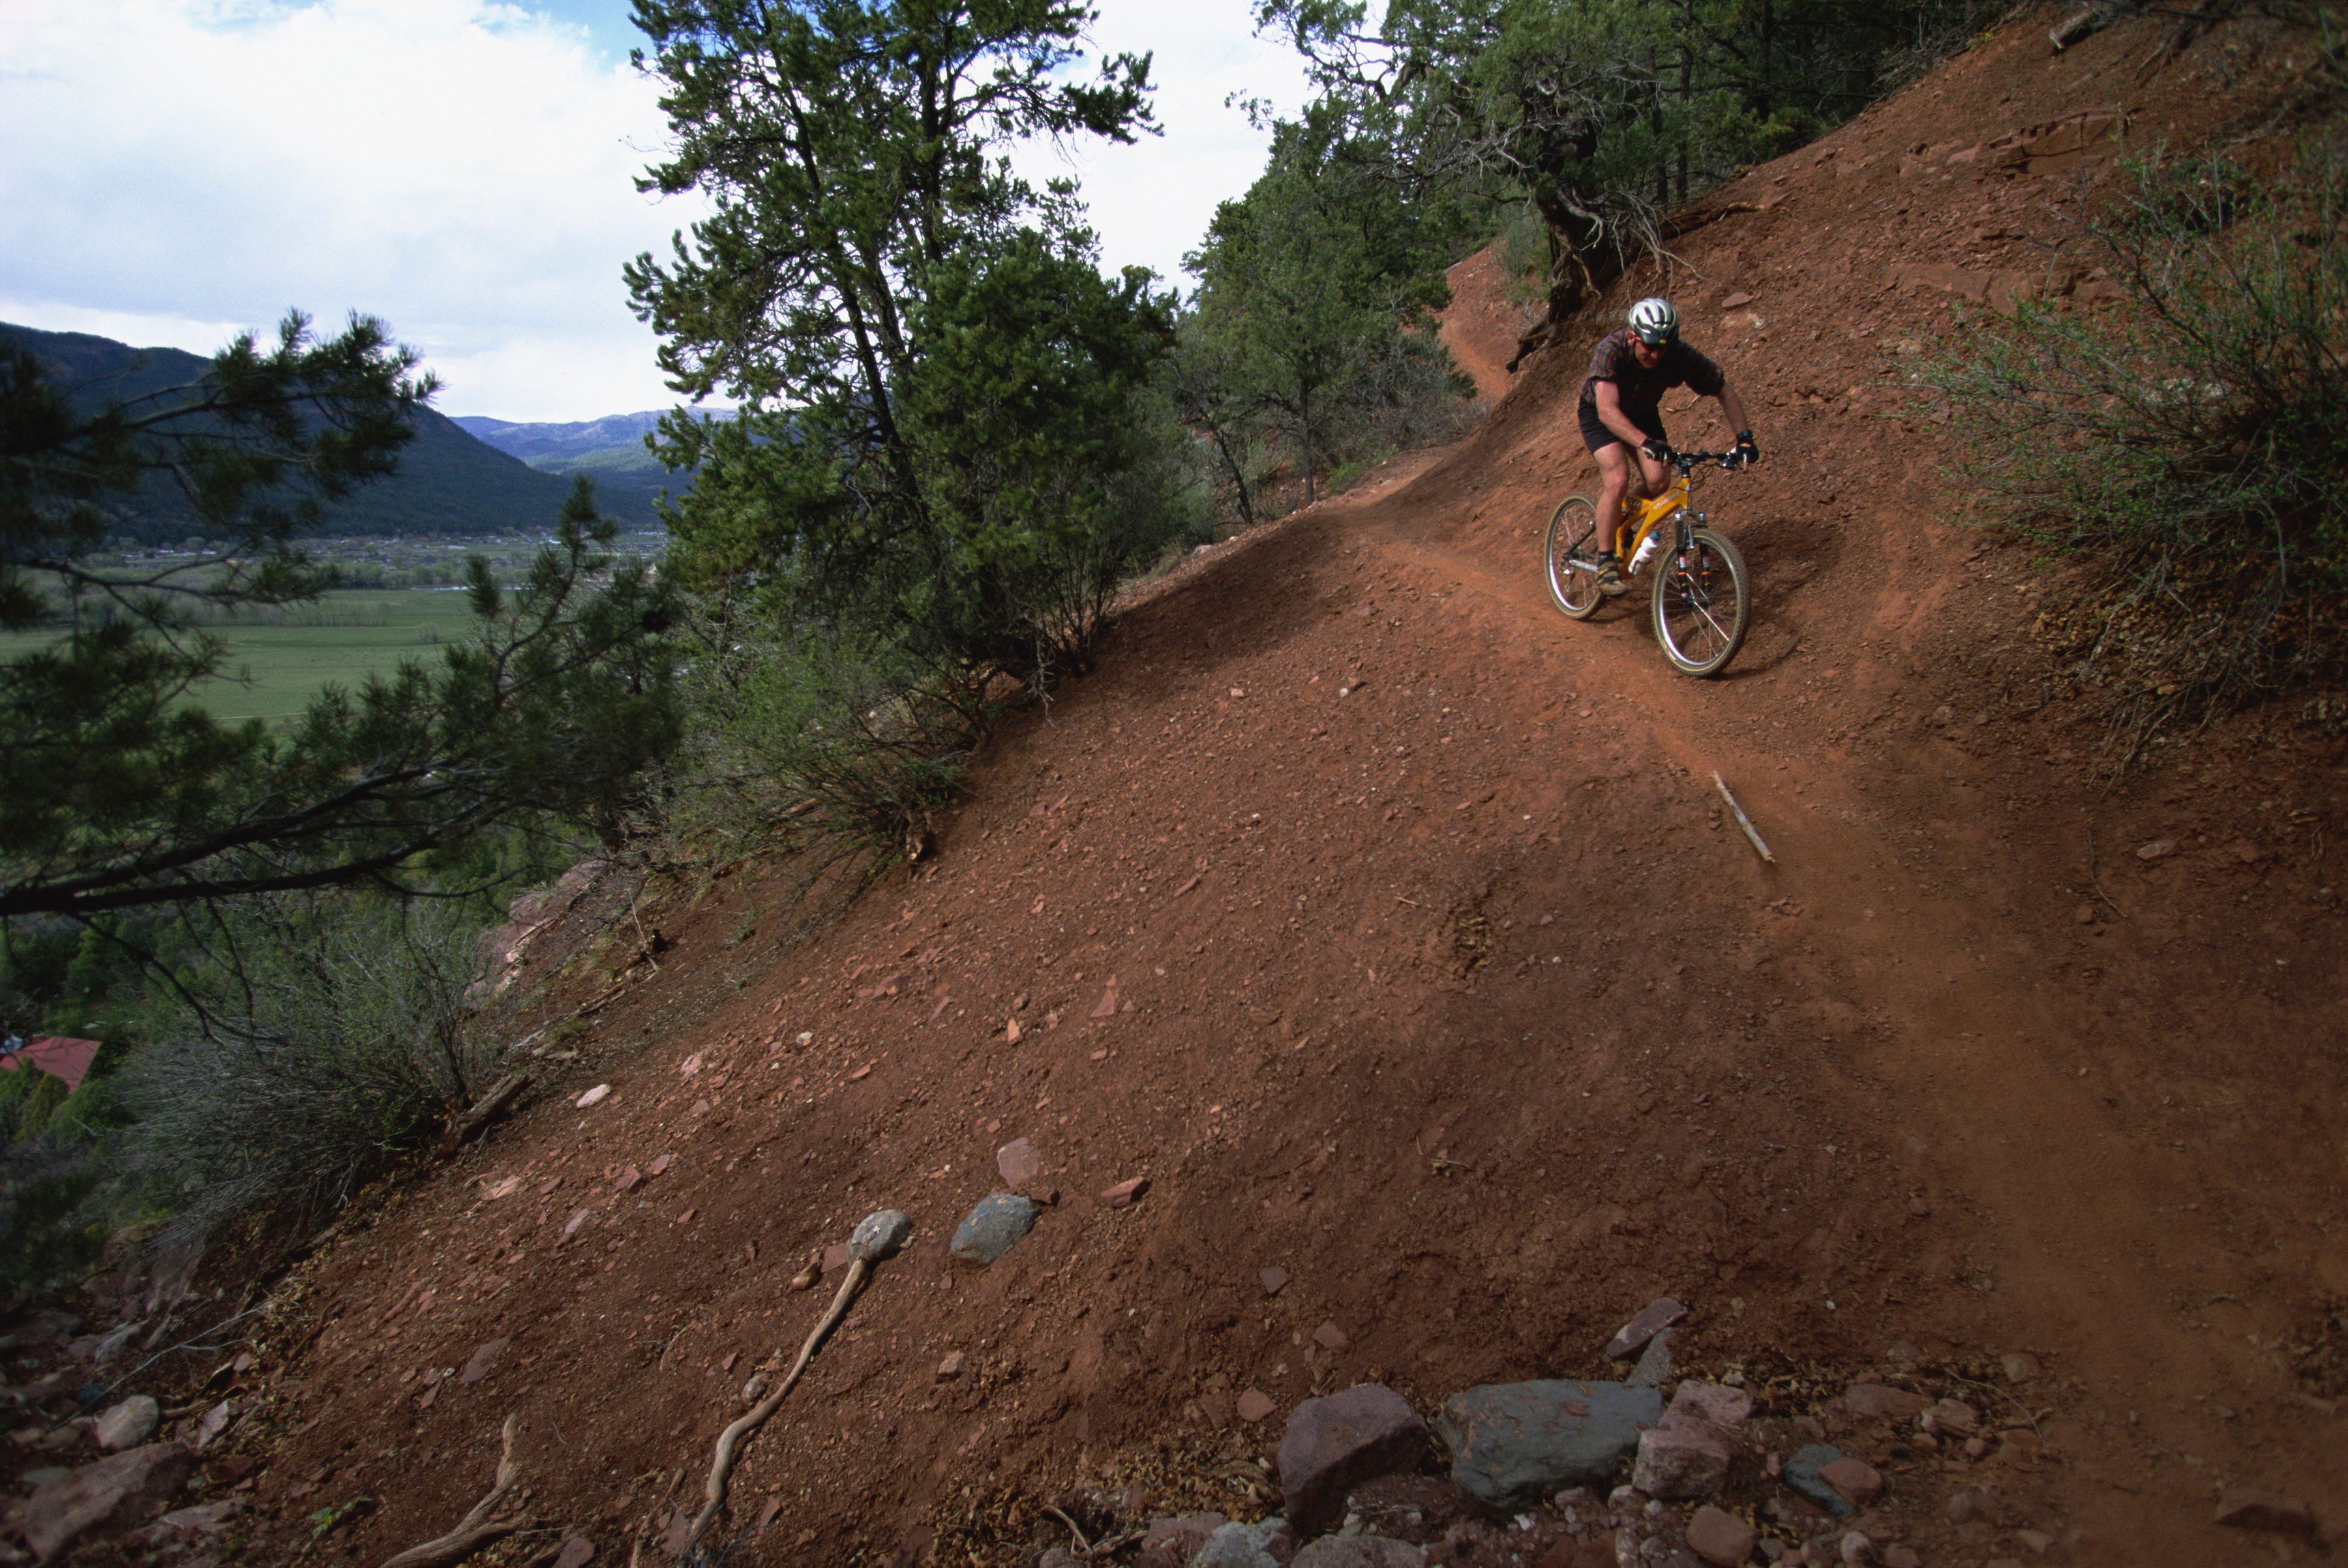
(1387, 923)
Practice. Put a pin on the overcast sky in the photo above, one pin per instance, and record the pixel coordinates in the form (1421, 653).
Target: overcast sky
(172, 171)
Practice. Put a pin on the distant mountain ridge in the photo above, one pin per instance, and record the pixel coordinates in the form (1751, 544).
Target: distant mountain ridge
(609, 451)
(448, 482)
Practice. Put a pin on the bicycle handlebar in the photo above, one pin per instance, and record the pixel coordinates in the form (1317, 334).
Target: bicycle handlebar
(1685, 461)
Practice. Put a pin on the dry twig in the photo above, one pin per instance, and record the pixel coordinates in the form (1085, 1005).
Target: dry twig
(477, 1529)
(1743, 821)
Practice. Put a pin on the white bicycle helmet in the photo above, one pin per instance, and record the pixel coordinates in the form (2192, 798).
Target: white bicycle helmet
(1654, 321)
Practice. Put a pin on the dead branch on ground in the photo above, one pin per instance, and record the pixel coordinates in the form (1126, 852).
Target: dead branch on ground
(477, 1529)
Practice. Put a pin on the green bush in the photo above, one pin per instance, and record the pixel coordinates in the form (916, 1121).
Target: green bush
(2191, 440)
(319, 1039)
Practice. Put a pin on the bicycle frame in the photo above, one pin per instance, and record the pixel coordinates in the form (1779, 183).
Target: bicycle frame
(1669, 507)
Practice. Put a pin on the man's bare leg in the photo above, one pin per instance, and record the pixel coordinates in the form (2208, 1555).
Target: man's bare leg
(1613, 484)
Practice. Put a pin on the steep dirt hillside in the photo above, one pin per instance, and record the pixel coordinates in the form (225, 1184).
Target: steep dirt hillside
(1388, 924)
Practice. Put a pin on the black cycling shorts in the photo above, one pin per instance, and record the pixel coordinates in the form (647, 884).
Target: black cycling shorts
(1594, 433)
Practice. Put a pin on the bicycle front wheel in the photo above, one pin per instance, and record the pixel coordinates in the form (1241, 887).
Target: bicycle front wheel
(1703, 602)
(1567, 557)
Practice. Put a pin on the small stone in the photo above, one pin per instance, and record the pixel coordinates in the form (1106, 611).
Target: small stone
(994, 1227)
(1964, 1506)
(1012, 1033)
(1275, 1280)
(1733, 301)
(2085, 914)
(483, 1361)
(2038, 1541)
(1976, 1447)
(2262, 1510)
(2018, 1367)
(1020, 1163)
(1236, 1545)
(2159, 850)
(833, 1259)
(1901, 1557)
(1254, 1405)
(1723, 1407)
(951, 1367)
(660, 1163)
(577, 1552)
(1855, 1479)
(596, 1095)
(1720, 1538)
(128, 1424)
(1335, 1443)
(1107, 1007)
(1687, 1461)
(213, 1423)
(1652, 1320)
(1877, 1399)
(1128, 1193)
(1329, 1337)
(1855, 1549)
(1802, 1473)
(880, 1234)
(629, 1179)
(1953, 1415)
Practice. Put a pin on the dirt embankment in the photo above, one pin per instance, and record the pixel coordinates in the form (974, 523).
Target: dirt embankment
(1386, 921)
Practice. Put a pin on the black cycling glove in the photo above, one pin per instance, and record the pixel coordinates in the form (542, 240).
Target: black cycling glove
(1657, 448)
(1747, 454)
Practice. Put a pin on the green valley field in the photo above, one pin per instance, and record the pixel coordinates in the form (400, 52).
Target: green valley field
(341, 639)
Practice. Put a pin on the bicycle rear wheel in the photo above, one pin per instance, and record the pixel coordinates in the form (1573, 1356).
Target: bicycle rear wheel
(1704, 602)
(1567, 557)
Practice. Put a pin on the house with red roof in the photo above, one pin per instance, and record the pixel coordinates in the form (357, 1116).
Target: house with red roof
(59, 1056)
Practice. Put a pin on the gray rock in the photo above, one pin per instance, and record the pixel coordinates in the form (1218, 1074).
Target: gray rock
(879, 1235)
(1513, 1443)
(1801, 1473)
(1688, 1459)
(1654, 1368)
(994, 1227)
(114, 1493)
(1239, 1545)
(1360, 1552)
(128, 1424)
(1333, 1444)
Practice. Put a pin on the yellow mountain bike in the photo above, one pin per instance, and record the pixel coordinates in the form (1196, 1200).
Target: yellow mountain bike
(1703, 598)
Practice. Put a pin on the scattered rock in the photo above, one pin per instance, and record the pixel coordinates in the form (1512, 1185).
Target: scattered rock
(1652, 1319)
(596, 1095)
(629, 1179)
(1723, 1407)
(214, 1423)
(1865, 1399)
(1012, 1033)
(659, 1164)
(2261, 1510)
(1855, 1479)
(128, 1424)
(1255, 1404)
(951, 1367)
(1686, 1460)
(1020, 1163)
(1275, 1280)
(1329, 1337)
(1856, 1548)
(1964, 1506)
(832, 1259)
(2159, 850)
(994, 1227)
(1172, 1542)
(483, 1362)
(1107, 1007)
(1335, 1443)
(114, 1493)
(1733, 301)
(1720, 1538)
(2038, 1541)
(1512, 1443)
(1655, 1369)
(1359, 1551)
(577, 1552)
(1128, 1193)
(1802, 1473)
(1242, 1546)
(1901, 1557)
(881, 1234)
(1952, 1416)
(2018, 1367)
(203, 1518)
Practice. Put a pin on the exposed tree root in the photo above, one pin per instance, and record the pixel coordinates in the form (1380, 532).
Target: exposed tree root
(477, 1529)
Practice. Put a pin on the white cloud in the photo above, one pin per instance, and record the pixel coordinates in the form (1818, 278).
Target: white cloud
(173, 170)
(462, 168)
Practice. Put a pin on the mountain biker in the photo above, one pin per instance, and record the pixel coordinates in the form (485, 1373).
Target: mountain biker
(1629, 375)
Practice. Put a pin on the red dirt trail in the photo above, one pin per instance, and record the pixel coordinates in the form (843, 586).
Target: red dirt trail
(1387, 923)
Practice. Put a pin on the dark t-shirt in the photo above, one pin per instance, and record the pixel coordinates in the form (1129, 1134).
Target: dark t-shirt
(1641, 388)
